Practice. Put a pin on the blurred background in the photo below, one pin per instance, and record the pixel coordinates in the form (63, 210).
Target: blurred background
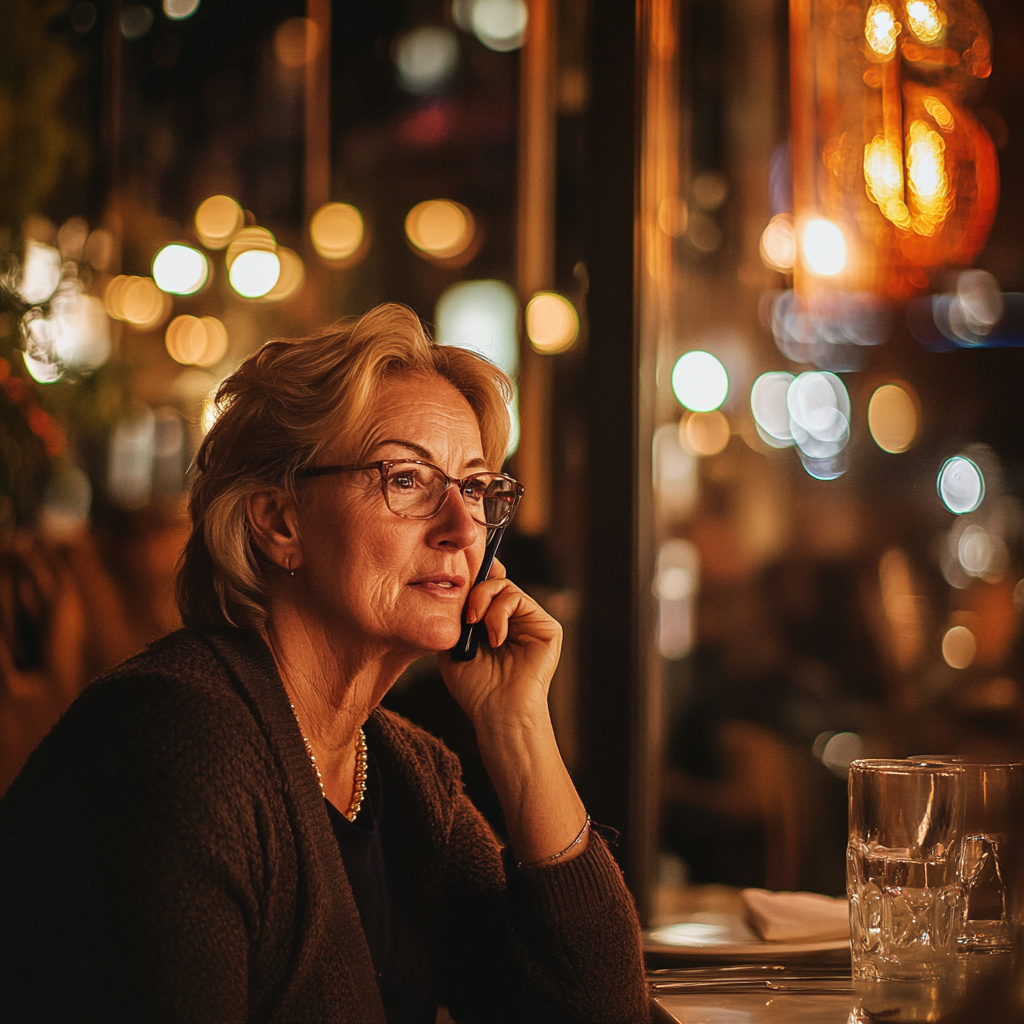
(756, 267)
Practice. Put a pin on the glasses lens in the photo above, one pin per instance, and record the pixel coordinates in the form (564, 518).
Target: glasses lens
(413, 489)
(491, 498)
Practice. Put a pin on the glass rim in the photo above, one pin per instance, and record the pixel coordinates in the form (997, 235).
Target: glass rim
(963, 761)
(904, 766)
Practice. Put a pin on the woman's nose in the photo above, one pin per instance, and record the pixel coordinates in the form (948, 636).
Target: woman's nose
(453, 521)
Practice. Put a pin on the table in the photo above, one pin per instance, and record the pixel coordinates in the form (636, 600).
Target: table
(983, 990)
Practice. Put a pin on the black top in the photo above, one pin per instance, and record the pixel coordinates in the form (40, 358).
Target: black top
(406, 972)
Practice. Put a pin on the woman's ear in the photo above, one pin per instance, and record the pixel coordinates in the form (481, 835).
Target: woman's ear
(275, 527)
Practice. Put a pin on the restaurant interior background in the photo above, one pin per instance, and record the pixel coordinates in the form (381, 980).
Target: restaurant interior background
(755, 266)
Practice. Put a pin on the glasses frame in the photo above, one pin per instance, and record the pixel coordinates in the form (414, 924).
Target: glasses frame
(384, 466)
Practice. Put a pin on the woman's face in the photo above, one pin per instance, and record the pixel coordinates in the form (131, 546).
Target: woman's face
(381, 581)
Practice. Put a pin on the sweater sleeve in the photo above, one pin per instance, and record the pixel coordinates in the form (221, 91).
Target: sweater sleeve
(559, 943)
(129, 851)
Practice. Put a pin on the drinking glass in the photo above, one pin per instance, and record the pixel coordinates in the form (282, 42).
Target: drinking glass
(903, 868)
(992, 799)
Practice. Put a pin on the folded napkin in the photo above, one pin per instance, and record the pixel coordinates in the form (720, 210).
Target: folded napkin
(796, 916)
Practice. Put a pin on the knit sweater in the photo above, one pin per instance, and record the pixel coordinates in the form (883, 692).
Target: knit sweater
(166, 855)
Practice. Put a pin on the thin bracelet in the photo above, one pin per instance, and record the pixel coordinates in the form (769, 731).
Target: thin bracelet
(561, 853)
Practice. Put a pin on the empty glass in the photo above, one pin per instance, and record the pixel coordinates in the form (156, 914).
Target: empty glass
(903, 868)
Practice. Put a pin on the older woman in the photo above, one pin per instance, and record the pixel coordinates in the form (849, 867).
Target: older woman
(228, 827)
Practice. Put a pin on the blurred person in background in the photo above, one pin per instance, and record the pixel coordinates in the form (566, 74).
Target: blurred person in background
(228, 827)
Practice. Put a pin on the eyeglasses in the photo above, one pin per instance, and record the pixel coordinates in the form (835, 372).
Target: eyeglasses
(416, 490)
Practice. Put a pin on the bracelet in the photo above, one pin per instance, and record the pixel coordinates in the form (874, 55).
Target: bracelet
(561, 853)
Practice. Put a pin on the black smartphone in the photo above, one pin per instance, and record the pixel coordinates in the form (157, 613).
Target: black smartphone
(471, 635)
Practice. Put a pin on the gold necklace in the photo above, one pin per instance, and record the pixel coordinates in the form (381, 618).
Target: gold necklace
(360, 785)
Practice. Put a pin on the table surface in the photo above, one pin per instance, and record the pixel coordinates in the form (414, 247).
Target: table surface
(977, 976)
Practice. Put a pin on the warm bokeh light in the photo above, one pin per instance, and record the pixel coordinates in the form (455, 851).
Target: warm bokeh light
(440, 228)
(704, 433)
(883, 177)
(770, 409)
(137, 301)
(194, 341)
(296, 41)
(336, 231)
(881, 29)
(425, 58)
(925, 19)
(700, 381)
(179, 10)
(99, 249)
(292, 276)
(819, 414)
(940, 112)
(959, 647)
(778, 243)
(552, 323)
(217, 220)
(961, 484)
(892, 418)
(180, 269)
(839, 750)
(247, 239)
(254, 273)
(500, 24)
(982, 554)
(927, 178)
(823, 247)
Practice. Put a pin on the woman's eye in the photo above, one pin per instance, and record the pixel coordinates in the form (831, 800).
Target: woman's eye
(403, 481)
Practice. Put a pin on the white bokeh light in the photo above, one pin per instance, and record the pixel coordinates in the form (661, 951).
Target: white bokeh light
(180, 269)
(254, 272)
(771, 413)
(819, 412)
(961, 484)
(700, 381)
(500, 24)
(823, 247)
(425, 58)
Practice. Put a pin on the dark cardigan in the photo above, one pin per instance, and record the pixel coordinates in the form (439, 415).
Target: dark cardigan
(166, 855)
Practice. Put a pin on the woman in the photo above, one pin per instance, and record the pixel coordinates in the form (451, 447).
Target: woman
(228, 827)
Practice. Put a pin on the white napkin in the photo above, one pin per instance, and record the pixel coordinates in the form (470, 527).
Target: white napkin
(796, 916)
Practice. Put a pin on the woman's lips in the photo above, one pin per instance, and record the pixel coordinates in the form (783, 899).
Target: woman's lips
(443, 586)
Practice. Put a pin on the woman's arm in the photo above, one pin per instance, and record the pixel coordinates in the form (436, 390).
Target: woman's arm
(504, 691)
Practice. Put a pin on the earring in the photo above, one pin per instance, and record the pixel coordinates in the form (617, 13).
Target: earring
(291, 571)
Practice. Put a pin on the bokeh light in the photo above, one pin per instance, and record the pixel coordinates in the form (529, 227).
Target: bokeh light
(292, 276)
(819, 415)
(926, 21)
(196, 341)
(705, 433)
(881, 29)
(961, 484)
(425, 58)
(179, 10)
(440, 228)
(959, 647)
(840, 750)
(296, 41)
(136, 21)
(700, 381)
(770, 410)
(254, 273)
(180, 269)
(823, 247)
(99, 249)
(892, 418)
(40, 273)
(552, 323)
(483, 317)
(336, 231)
(217, 220)
(500, 24)
(778, 243)
(72, 237)
(136, 301)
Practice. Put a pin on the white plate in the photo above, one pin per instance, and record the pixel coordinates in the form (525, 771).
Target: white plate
(726, 935)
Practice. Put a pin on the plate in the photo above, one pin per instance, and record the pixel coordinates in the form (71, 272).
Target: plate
(726, 935)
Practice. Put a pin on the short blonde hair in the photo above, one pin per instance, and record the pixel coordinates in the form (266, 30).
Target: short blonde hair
(277, 412)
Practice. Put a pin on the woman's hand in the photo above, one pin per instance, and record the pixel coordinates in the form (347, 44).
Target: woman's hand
(504, 691)
(507, 683)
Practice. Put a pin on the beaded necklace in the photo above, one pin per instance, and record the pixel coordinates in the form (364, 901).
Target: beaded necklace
(360, 787)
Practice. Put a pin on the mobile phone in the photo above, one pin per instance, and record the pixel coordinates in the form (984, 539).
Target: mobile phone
(471, 635)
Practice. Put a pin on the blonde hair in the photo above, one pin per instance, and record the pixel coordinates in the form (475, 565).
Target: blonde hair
(277, 412)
